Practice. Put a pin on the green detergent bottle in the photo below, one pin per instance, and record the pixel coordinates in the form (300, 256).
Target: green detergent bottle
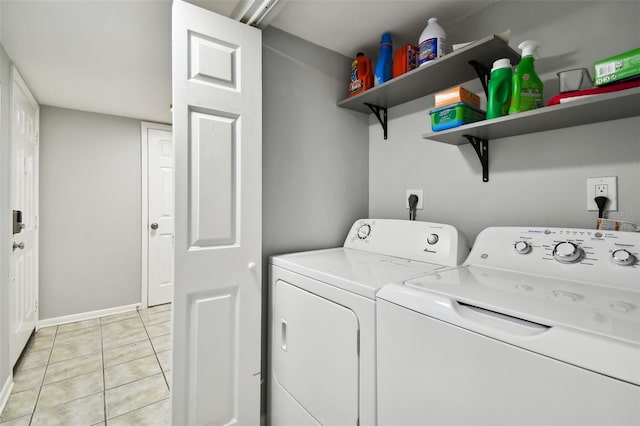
(499, 96)
(526, 85)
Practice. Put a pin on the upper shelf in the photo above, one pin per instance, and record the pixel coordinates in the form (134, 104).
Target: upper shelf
(594, 109)
(447, 71)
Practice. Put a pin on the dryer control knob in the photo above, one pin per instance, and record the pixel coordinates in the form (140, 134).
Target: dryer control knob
(364, 231)
(522, 247)
(567, 252)
(432, 238)
(623, 257)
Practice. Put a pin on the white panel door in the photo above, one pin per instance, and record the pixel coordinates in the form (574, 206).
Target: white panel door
(23, 284)
(160, 165)
(217, 123)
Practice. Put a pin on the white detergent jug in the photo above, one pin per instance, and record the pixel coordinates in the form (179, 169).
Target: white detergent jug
(432, 42)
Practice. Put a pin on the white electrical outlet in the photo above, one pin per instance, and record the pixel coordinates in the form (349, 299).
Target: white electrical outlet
(602, 186)
(418, 192)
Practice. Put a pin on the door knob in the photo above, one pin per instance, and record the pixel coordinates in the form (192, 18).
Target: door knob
(251, 266)
(154, 225)
(18, 246)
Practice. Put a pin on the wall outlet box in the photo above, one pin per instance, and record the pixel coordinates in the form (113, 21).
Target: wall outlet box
(418, 192)
(602, 186)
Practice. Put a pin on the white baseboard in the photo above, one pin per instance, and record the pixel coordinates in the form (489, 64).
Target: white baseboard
(87, 315)
(5, 392)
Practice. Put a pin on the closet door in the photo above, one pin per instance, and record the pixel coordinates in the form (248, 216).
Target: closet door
(217, 121)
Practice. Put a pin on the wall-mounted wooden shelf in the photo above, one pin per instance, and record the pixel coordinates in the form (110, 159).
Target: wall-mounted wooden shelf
(450, 70)
(465, 64)
(593, 109)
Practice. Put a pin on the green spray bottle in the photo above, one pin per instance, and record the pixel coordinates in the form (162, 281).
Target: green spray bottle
(526, 85)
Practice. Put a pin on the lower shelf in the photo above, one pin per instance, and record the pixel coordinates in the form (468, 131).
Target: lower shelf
(594, 109)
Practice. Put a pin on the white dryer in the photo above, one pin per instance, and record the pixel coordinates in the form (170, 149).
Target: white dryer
(538, 327)
(322, 317)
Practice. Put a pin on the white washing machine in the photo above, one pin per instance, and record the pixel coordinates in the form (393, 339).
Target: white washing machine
(538, 327)
(322, 317)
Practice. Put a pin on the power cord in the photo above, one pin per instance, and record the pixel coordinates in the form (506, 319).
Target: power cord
(413, 203)
(601, 202)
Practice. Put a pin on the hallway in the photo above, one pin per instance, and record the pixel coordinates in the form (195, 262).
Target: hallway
(111, 370)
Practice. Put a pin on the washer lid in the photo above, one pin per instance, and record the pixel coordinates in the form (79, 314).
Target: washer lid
(607, 311)
(357, 271)
(594, 327)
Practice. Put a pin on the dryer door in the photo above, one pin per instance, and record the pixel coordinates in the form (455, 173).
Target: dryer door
(315, 354)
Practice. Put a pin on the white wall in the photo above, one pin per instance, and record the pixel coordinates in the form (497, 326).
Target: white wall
(537, 179)
(90, 207)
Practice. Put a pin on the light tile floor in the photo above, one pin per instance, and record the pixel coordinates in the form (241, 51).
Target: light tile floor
(112, 370)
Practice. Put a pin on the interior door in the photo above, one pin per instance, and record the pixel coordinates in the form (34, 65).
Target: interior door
(217, 122)
(160, 228)
(23, 284)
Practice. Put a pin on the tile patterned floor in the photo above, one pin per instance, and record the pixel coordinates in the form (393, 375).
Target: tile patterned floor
(112, 370)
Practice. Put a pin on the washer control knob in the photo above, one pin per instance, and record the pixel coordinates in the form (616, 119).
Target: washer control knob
(364, 231)
(567, 252)
(432, 238)
(623, 257)
(522, 247)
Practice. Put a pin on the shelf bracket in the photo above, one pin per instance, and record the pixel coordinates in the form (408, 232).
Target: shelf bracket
(483, 74)
(381, 118)
(482, 149)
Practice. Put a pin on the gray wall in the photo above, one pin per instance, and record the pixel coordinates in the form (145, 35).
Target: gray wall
(537, 179)
(90, 207)
(5, 241)
(315, 155)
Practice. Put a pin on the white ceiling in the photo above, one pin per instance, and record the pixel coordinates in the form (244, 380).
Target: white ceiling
(350, 26)
(114, 56)
(110, 57)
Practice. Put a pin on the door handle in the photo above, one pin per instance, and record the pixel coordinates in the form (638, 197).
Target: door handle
(154, 226)
(18, 246)
(283, 335)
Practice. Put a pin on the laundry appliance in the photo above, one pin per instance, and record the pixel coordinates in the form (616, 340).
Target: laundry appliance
(322, 317)
(540, 326)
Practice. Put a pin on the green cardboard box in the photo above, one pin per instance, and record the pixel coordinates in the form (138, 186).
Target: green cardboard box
(616, 68)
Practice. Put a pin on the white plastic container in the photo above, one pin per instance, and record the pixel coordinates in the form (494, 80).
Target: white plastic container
(432, 42)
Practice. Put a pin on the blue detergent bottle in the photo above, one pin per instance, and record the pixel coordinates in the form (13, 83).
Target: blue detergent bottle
(384, 66)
